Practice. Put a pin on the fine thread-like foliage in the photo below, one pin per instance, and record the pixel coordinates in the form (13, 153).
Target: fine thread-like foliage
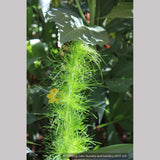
(68, 101)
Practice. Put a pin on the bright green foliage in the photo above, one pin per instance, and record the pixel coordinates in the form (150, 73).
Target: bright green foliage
(68, 133)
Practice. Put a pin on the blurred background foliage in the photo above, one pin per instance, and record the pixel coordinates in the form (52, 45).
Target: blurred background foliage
(108, 26)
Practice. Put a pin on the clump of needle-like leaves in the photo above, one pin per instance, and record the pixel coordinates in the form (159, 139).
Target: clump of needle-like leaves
(68, 101)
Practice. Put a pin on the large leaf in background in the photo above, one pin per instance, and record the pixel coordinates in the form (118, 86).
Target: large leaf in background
(71, 27)
(99, 104)
(122, 10)
(115, 149)
(112, 135)
(122, 69)
(103, 7)
(119, 84)
(118, 148)
(123, 114)
(120, 25)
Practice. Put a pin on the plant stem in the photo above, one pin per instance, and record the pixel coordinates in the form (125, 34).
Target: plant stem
(112, 122)
(81, 13)
(92, 8)
(98, 14)
(116, 104)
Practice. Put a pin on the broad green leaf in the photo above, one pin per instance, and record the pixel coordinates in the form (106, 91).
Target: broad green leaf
(124, 109)
(123, 114)
(118, 148)
(103, 7)
(127, 124)
(112, 135)
(122, 10)
(120, 25)
(69, 7)
(71, 27)
(118, 84)
(122, 69)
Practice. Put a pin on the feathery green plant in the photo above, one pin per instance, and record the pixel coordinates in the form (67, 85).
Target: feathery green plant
(68, 108)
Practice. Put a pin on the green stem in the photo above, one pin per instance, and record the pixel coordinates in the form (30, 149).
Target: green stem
(112, 122)
(81, 13)
(106, 124)
(116, 104)
(92, 8)
(98, 13)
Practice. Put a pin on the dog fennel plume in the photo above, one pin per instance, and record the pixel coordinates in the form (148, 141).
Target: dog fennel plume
(68, 101)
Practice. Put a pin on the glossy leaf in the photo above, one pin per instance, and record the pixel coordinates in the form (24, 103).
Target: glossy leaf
(71, 27)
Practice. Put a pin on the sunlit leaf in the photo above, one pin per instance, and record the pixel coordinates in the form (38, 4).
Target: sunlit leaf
(70, 27)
